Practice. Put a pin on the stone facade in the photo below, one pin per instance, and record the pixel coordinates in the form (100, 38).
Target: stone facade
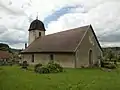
(66, 60)
(88, 44)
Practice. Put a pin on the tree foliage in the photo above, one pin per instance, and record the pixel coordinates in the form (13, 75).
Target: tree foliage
(4, 47)
(110, 55)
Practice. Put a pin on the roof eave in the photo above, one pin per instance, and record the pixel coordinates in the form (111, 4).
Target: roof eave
(47, 52)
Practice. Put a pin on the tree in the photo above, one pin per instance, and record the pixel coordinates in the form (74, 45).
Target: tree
(4, 47)
(110, 55)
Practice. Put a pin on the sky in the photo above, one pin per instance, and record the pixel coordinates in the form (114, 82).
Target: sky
(59, 15)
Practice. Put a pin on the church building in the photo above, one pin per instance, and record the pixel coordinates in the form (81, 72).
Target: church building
(74, 48)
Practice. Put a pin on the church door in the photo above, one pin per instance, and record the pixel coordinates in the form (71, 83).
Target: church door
(90, 58)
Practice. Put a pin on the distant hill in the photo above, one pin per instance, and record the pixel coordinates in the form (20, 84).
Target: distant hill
(112, 48)
(16, 50)
(115, 50)
(5, 47)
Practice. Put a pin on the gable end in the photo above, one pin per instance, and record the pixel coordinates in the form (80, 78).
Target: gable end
(96, 38)
(82, 39)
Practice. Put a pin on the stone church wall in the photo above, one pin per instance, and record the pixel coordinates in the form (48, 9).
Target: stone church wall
(65, 60)
(82, 54)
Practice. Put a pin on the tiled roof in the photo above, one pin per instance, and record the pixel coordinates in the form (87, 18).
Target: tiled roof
(65, 41)
(4, 55)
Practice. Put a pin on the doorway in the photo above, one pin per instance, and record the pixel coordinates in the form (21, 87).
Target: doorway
(90, 58)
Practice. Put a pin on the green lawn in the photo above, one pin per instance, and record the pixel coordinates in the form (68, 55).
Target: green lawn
(13, 78)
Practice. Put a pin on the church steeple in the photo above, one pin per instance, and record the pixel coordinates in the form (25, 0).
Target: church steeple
(36, 30)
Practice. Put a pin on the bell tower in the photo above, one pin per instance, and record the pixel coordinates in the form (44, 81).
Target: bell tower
(36, 30)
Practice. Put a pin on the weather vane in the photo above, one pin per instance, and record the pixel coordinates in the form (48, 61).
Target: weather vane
(37, 16)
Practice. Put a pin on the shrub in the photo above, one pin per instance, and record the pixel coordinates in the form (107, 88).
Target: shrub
(49, 68)
(54, 67)
(10, 63)
(115, 62)
(96, 64)
(60, 68)
(103, 63)
(2, 63)
(37, 66)
(25, 65)
(5, 63)
(108, 65)
(82, 66)
(20, 64)
(42, 69)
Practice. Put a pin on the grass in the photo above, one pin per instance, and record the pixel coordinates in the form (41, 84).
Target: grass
(13, 78)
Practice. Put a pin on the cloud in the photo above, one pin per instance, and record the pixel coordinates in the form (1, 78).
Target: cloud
(14, 23)
(16, 16)
(59, 15)
(11, 8)
(55, 15)
(13, 37)
(66, 21)
(103, 15)
(3, 29)
(18, 45)
(112, 37)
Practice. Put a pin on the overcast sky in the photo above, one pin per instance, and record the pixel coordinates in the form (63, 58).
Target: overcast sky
(59, 15)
